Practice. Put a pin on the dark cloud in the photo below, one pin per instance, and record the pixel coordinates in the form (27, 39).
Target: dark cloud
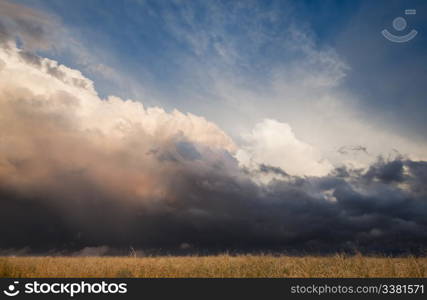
(31, 27)
(214, 209)
(350, 149)
(31, 58)
(390, 172)
(263, 168)
(51, 68)
(187, 150)
(3, 33)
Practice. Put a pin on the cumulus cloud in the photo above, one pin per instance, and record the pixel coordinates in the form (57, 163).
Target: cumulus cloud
(275, 144)
(53, 105)
(80, 172)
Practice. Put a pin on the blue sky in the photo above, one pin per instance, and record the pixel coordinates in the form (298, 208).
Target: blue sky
(186, 54)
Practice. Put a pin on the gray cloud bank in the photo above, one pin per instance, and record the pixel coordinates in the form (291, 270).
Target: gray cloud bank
(382, 210)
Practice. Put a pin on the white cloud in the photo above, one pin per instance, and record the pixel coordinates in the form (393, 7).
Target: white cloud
(52, 127)
(50, 78)
(274, 144)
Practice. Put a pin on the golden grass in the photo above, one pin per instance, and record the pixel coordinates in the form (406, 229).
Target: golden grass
(224, 266)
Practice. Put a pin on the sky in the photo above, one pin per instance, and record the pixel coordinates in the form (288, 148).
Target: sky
(215, 124)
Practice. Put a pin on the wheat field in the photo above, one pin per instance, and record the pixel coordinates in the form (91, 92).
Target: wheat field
(221, 266)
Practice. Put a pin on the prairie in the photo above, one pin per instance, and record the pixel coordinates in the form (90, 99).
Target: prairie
(219, 266)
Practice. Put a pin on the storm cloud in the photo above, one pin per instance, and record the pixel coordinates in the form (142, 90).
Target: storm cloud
(79, 172)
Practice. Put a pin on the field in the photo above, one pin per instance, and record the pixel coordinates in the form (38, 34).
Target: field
(214, 266)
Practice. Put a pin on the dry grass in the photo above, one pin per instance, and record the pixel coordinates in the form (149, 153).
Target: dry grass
(214, 266)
